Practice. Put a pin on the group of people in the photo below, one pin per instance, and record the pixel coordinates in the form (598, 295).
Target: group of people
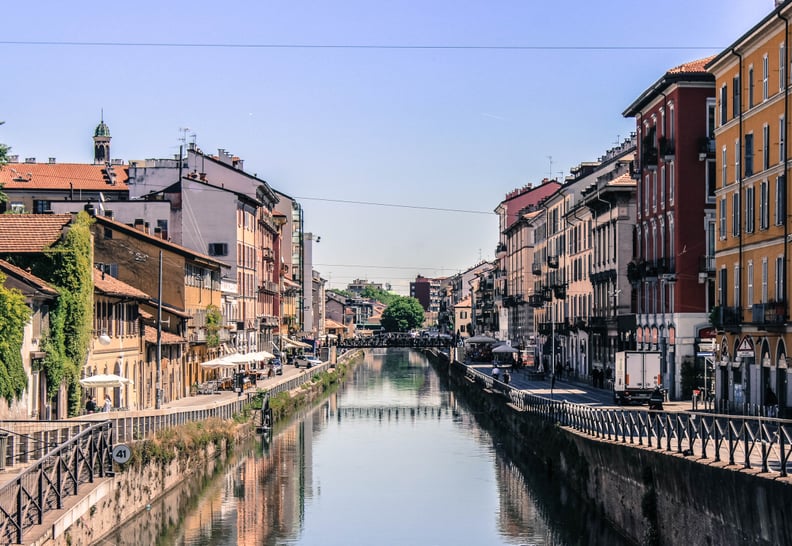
(92, 407)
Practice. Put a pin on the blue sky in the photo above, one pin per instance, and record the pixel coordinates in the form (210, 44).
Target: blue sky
(434, 126)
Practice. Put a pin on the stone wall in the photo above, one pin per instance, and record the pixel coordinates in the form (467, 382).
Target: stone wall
(651, 496)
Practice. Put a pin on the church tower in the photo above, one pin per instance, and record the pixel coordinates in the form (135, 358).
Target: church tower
(101, 143)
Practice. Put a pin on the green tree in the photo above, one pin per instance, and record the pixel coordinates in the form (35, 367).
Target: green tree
(402, 315)
(213, 322)
(382, 296)
(14, 315)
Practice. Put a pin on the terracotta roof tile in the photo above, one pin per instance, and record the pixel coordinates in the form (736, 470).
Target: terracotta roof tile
(110, 286)
(64, 176)
(21, 233)
(150, 335)
(692, 67)
(623, 180)
(29, 278)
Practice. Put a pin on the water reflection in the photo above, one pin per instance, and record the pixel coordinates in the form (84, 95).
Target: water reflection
(392, 458)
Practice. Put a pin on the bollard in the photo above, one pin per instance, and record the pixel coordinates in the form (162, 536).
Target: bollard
(3, 447)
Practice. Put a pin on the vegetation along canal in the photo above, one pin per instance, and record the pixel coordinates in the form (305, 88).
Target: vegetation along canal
(392, 458)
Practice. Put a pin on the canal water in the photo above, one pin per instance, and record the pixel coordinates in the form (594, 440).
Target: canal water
(392, 458)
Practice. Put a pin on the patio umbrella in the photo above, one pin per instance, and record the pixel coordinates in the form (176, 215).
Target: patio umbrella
(104, 380)
(481, 339)
(218, 363)
(260, 355)
(237, 358)
(505, 349)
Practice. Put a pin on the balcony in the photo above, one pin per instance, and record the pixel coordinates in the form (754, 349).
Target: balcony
(707, 265)
(726, 318)
(769, 314)
(536, 300)
(267, 255)
(560, 291)
(649, 158)
(500, 249)
(634, 270)
(269, 287)
(547, 294)
(667, 148)
(536, 269)
(706, 148)
(552, 262)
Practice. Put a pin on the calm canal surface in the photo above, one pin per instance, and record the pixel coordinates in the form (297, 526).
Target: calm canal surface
(392, 458)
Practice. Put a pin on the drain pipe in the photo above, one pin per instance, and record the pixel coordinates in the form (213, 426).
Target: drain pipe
(784, 159)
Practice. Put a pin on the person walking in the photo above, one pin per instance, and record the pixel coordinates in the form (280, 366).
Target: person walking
(108, 404)
(495, 372)
(770, 402)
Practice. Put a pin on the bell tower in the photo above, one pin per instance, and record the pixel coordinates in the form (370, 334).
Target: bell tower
(101, 143)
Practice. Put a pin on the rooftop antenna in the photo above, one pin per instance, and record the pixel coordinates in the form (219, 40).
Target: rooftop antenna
(551, 165)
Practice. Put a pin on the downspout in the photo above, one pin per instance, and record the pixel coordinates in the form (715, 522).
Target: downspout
(784, 159)
(740, 188)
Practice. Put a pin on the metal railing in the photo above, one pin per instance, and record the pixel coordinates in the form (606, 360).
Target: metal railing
(57, 475)
(752, 442)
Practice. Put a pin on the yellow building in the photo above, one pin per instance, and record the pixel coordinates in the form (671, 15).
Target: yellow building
(752, 83)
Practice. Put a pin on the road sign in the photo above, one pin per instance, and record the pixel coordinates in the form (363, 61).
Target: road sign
(121, 453)
(746, 348)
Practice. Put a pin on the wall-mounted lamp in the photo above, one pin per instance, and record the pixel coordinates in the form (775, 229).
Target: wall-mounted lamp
(104, 339)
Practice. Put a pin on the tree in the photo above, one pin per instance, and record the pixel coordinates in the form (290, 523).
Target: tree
(402, 315)
(383, 296)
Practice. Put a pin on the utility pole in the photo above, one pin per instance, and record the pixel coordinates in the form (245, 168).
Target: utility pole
(158, 402)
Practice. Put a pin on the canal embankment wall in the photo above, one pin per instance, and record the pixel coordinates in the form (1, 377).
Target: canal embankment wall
(651, 496)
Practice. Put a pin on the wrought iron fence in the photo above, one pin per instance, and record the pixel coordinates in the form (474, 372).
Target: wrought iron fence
(55, 476)
(751, 442)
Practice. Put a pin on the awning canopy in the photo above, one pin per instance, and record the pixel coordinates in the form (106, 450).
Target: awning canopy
(480, 339)
(104, 380)
(504, 349)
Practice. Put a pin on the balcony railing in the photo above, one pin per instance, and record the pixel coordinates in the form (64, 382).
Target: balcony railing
(536, 269)
(706, 148)
(769, 314)
(536, 300)
(667, 148)
(552, 262)
(707, 264)
(726, 317)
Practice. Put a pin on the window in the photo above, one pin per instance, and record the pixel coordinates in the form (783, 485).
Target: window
(671, 183)
(723, 287)
(662, 186)
(735, 214)
(780, 200)
(765, 72)
(766, 147)
(711, 172)
(781, 65)
(218, 249)
(749, 151)
(737, 153)
(735, 96)
(722, 227)
(41, 207)
(764, 280)
(723, 106)
(654, 190)
(749, 209)
(737, 299)
(724, 167)
(781, 140)
(764, 206)
(750, 87)
(646, 195)
(750, 286)
(18, 208)
(671, 123)
(779, 278)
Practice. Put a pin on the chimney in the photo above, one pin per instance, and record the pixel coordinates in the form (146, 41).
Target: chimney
(139, 223)
(202, 176)
(52, 161)
(13, 159)
(30, 160)
(146, 229)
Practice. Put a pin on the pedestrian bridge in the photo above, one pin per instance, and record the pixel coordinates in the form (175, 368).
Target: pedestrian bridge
(391, 412)
(396, 340)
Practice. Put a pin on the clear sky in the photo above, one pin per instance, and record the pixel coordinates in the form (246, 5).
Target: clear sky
(459, 103)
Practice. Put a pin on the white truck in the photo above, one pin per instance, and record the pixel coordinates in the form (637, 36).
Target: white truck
(637, 376)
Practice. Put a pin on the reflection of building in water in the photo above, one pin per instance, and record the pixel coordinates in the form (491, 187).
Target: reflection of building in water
(270, 489)
(517, 506)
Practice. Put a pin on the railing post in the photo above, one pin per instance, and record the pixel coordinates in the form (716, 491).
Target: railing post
(3, 449)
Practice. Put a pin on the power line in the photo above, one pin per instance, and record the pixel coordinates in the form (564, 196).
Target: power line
(386, 266)
(394, 205)
(226, 45)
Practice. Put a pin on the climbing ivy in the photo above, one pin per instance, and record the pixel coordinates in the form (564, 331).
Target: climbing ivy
(213, 320)
(68, 266)
(14, 315)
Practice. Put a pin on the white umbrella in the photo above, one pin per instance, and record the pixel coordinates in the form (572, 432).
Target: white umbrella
(260, 355)
(218, 363)
(481, 339)
(505, 349)
(237, 358)
(104, 380)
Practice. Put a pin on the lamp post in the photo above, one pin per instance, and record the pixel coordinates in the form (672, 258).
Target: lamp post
(158, 399)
